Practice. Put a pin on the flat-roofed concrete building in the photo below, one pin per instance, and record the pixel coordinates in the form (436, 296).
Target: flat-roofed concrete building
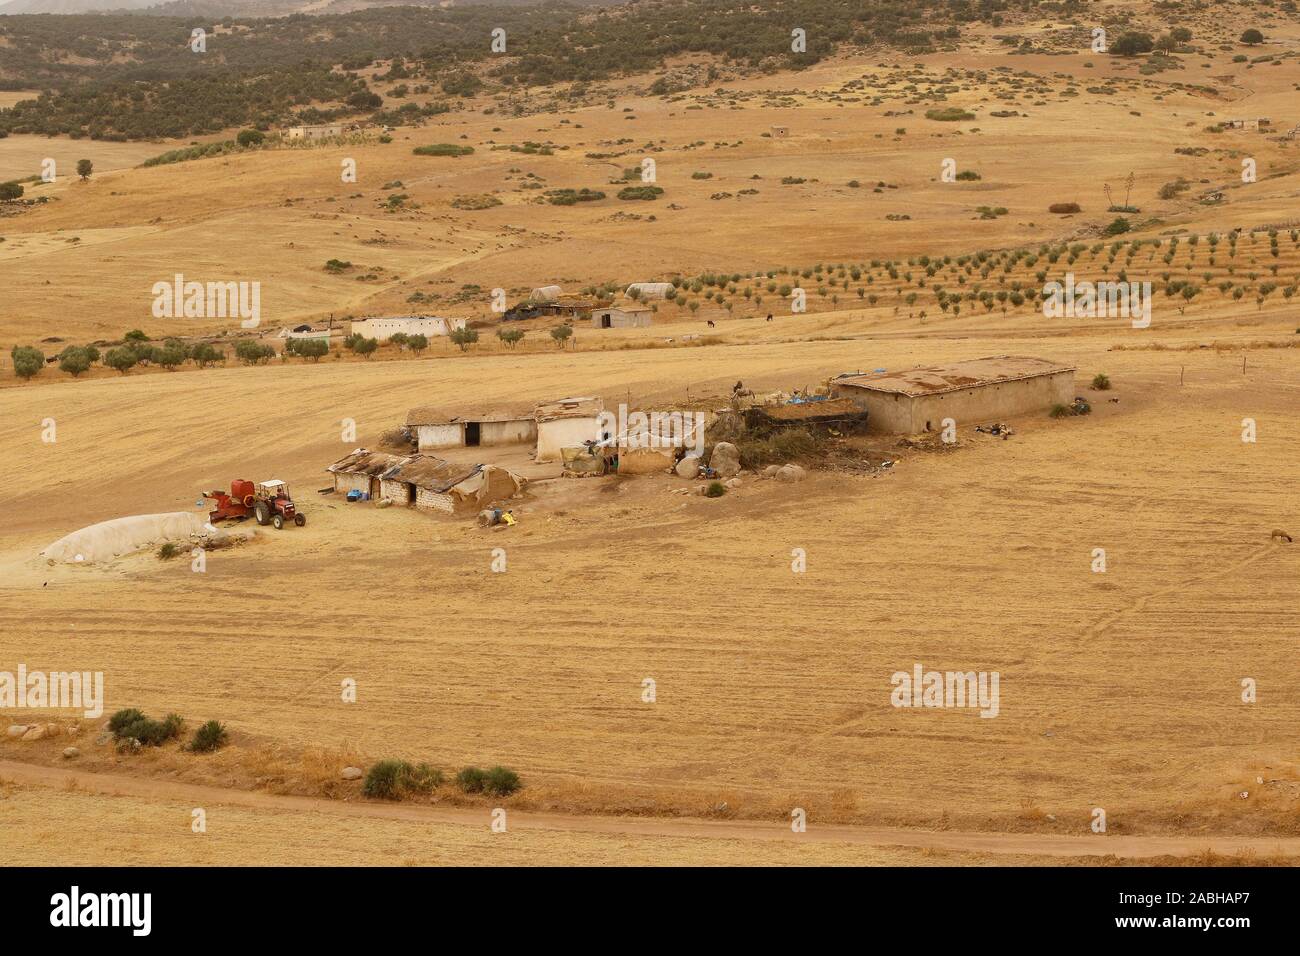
(980, 390)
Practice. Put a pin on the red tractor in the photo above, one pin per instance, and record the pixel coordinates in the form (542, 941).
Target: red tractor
(268, 502)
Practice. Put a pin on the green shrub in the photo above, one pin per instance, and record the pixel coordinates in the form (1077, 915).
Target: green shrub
(949, 114)
(169, 551)
(1060, 411)
(471, 780)
(443, 149)
(384, 779)
(716, 489)
(209, 737)
(640, 192)
(1101, 382)
(392, 779)
(27, 361)
(501, 781)
(132, 724)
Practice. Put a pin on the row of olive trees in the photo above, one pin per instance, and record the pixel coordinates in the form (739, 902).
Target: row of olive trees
(136, 349)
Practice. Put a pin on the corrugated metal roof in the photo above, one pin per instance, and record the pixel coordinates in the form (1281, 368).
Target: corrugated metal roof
(931, 380)
(423, 471)
(430, 415)
(569, 408)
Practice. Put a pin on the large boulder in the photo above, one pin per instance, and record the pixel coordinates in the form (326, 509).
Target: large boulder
(770, 471)
(725, 459)
(791, 473)
(351, 773)
(36, 732)
(16, 730)
(689, 467)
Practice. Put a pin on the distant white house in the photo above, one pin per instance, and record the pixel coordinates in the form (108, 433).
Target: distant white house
(384, 329)
(324, 131)
(546, 293)
(621, 317)
(650, 290)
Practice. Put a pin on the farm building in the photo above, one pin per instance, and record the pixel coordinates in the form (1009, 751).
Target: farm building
(428, 483)
(314, 132)
(780, 132)
(621, 317)
(434, 428)
(650, 290)
(303, 332)
(567, 423)
(980, 390)
(384, 329)
(567, 306)
(652, 443)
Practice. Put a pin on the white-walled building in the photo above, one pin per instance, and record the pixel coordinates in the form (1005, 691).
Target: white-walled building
(434, 428)
(567, 423)
(323, 131)
(384, 329)
(621, 317)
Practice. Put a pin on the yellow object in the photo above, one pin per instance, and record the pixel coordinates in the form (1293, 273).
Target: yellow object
(507, 518)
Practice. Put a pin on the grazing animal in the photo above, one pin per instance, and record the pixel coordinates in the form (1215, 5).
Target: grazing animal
(769, 316)
(1279, 536)
(711, 325)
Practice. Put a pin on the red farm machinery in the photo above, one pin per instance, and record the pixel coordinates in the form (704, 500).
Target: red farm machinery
(268, 502)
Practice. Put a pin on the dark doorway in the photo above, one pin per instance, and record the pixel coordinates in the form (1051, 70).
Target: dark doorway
(471, 433)
(604, 321)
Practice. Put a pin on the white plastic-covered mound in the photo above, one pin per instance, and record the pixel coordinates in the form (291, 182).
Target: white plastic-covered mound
(111, 539)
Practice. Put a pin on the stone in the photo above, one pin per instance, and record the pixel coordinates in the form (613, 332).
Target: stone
(725, 459)
(351, 773)
(732, 482)
(771, 470)
(788, 473)
(70, 752)
(689, 467)
(104, 738)
(35, 733)
(53, 730)
(16, 730)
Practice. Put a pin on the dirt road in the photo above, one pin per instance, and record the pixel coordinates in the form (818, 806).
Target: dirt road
(1022, 844)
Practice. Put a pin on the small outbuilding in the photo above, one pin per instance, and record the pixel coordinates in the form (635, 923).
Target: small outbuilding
(425, 482)
(322, 131)
(780, 132)
(621, 317)
(545, 293)
(980, 390)
(567, 423)
(499, 425)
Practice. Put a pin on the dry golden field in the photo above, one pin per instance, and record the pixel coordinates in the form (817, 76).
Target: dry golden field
(1119, 690)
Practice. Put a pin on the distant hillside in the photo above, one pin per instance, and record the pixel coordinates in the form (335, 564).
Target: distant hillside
(71, 6)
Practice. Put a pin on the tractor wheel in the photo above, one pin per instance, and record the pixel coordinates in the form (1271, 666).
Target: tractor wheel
(278, 521)
(262, 513)
(300, 520)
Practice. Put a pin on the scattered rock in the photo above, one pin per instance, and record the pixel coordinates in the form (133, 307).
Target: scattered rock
(732, 482)
(16, 730)
(35, 733)
(700, 490)
(53, 730)
(689, 467)
(725, 459)
(70, 752)
(104, 738)
(771, 470)
(790, 473)
(351, 773)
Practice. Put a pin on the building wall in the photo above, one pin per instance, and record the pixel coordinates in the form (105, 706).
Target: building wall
(343, 483)
(512, 432)
(385, 328)
(618, 319)
(898, 414)
(564, 433)
(433, 501)
(429, 437)
(398, 492)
